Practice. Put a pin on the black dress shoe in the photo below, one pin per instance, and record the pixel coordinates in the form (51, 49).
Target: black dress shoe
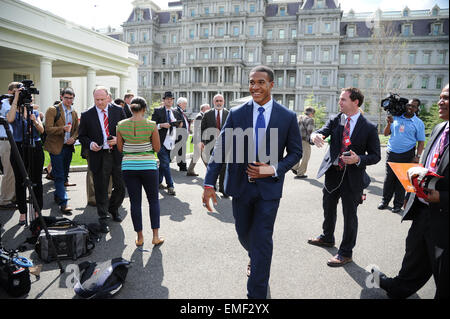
(117, 218)
(382, 206)
(396, 210)
(104, 228)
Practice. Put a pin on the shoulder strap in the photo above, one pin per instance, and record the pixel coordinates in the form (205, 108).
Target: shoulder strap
(58, 113)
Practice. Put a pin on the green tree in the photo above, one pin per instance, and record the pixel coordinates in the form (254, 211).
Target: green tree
(320, 116)
(430, 118)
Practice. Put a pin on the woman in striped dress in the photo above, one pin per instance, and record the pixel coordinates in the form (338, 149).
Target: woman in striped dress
(138, 140)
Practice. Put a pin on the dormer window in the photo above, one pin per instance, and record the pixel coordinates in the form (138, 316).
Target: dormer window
(436, 28)
(351, 31)
(173, 18)
(407, 29)
(435, 11)
(320, 4)
(406, 12)
(282, 12)
(139, 15)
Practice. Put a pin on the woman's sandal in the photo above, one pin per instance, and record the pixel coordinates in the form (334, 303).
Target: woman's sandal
(139, 243)
(158, 242)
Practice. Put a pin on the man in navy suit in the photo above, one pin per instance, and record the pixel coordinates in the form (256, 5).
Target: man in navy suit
(345, 176)
(97, 133)
(252, 144)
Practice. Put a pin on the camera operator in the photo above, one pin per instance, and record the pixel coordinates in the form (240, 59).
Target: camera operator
(32, 156)
(7, 193)
(406, 131)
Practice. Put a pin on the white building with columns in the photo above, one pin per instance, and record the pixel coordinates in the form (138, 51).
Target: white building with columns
(55, 53)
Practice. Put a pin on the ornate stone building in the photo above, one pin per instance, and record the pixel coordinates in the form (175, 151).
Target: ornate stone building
(198, 48)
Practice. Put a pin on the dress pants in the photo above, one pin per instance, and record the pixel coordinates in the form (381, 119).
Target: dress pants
(254, 222)
(164, 166)
(392, 186)
(35, 163)
(350, 202)
(420, 261)
(7, 192)
(90, 191)
(101, 180)
(302, 166)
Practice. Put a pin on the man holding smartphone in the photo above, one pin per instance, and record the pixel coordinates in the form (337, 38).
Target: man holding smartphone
(354, 144)
(61, 137)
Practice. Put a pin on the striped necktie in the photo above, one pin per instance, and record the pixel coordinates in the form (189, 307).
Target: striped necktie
(345, 142)
(105, 123)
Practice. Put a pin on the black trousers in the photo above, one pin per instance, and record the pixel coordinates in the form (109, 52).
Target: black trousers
(421, 261)
(392, 186)
(350, 201)
(101, 182)
(33, 159)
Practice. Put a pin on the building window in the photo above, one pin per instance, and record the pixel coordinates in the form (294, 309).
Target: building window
(436, 28)
(441, 58)
(164, 39)
(281, 33)
(252, 8)
(293, 58)
(351, 31)
(426, 58)
(438, 83)
(355, 58)
(369, 58)
(355, 81)
(251, 57)
(309, 55)
(236, 31)
(293, 33)
(174, 38)
(113, 92)
(282, 12)
(292, 81)
(62, 83)
(269, 34)
(132, 37)
(236, 55)
(269, 59)
(163, 61)
(251, 30)
(343, 58)
(308, 80)
(144, 36)
(407, 30)
(320, 4)
(342, 81)
(412, 58)
(220, 31)
(173, 18)
(205, 55)
(192, 13)
(410, 83)
(326, 55)
(206, 32)
(369, 82)
(309, 28)
(281, 58)
(191, 34)
(280, 81)
(144, 60)
(424, 83)
(191, 56)
(325, 80)
(236, 9)
(206, 10)
(327, 27)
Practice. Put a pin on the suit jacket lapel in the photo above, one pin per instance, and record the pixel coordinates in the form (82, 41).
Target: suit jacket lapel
(358, 126)
(433, 138)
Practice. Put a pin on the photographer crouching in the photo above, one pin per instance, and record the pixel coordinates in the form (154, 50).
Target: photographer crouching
(27, 127)
(406, 130)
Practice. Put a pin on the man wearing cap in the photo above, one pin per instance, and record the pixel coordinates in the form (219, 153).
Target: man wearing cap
(164, 116)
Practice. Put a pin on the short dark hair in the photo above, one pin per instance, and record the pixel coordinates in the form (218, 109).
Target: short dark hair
(417, 100)
(14, 85)
(355, 94)
(119, 101)
(265, 69)
(138, 104)
(67, 90)
(310, 110)
(128, 95)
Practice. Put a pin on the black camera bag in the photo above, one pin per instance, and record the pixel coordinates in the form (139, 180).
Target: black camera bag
(15, 280)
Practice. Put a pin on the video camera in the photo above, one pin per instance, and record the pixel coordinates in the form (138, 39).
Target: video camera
(394, 104)
(26, 92)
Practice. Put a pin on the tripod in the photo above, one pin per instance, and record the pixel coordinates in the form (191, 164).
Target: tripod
(28, 184)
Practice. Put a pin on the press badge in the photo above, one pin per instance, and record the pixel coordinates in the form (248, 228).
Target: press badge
(402, 129)
(434, 160)
(347, 142)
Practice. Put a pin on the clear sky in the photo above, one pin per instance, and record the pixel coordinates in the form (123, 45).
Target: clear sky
(104, 13)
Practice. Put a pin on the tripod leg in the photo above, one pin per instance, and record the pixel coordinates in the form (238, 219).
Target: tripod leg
(28, 184)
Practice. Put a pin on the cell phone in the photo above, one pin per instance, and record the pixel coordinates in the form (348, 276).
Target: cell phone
(346, 153)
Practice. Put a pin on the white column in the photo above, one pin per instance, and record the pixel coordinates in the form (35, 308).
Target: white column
(90, 85)
(123, 86)
(46, 97)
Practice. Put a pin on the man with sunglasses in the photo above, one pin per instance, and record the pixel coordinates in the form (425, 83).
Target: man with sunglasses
(61, 126)
(406, 132)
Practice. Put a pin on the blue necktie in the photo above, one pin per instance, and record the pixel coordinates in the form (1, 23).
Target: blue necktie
(260, 124)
